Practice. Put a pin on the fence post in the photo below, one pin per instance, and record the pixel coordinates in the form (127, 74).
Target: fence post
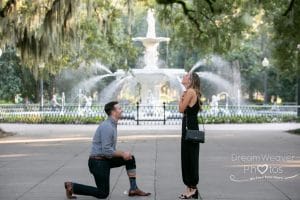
(164, 113)
(137, 112)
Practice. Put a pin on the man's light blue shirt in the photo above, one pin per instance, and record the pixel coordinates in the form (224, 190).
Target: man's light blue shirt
(105, 139)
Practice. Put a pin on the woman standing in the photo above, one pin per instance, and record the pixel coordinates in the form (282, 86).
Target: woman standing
(190, 104)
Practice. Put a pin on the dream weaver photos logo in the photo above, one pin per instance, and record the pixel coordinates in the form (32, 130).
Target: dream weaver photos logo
(263, 166)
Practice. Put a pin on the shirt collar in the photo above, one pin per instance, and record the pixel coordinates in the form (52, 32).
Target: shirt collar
(112, 120)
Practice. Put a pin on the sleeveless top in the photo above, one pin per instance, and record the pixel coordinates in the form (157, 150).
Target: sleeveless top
(191, 118)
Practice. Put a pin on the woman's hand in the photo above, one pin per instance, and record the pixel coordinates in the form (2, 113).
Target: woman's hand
(186, 98)
(182, 96)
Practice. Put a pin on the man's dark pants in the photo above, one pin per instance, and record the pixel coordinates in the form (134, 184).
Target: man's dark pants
(101, 172)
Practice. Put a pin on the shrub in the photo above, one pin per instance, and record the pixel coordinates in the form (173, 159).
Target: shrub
(50, 119)
(248, 119)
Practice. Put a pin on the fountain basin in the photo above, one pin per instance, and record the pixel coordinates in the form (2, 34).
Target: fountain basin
(151, 81)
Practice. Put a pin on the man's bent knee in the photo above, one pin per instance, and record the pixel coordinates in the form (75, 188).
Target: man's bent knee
(132, 158)
(130, 164)
(102, 195)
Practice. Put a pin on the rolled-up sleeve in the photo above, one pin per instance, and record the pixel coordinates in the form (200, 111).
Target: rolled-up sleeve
(107, 141)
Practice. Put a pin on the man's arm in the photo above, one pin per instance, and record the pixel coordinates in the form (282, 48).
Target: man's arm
(118, 153)
(122, 154)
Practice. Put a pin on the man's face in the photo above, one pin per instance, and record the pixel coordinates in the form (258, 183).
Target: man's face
(117, 112)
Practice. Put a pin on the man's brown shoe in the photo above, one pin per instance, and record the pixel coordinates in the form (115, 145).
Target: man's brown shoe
(138, 192)
(69, 190)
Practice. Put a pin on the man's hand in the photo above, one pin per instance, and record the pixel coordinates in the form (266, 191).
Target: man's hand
(127, 155)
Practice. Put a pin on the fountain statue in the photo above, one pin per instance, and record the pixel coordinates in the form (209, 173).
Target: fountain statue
(151, 78)
(215, 110)
(63, 102)
(151, 43)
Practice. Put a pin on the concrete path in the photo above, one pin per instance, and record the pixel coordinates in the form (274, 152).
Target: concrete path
(256, 161)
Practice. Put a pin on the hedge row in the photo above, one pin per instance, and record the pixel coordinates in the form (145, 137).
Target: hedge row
(72, 119)
(248, 119)
(50, 119)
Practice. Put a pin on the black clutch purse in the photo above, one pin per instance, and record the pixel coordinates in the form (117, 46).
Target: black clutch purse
(195, 136)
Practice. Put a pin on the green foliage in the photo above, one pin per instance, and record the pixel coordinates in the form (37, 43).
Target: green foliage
(66, 33)
(50, 119)
(112, 48)
(250, 65)
(14, 78)
(245, 31)
(247, 119)
(77, 119)
(9, 80)
(286, 23)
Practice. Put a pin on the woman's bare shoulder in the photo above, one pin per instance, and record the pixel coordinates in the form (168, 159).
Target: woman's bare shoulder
(191, 91)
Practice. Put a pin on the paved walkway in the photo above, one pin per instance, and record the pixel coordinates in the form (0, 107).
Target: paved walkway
(256, 161)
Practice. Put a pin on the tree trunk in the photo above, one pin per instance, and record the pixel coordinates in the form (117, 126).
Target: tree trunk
(251, 91)
(236, 77)
(37, 92)
(51, 90)
(130, 16)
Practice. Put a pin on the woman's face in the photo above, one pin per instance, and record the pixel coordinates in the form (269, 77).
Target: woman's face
(186, 80)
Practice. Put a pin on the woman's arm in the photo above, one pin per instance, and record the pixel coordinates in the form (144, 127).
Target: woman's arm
(185, 100)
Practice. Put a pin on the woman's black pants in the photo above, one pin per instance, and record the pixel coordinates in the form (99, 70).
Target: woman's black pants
(190, 163)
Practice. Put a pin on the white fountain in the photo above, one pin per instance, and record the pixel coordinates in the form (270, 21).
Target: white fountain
(151, 43)
(215, 110)
(146, 85)
(150, 78)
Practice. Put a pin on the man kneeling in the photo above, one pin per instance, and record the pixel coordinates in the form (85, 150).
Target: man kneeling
(104, 156)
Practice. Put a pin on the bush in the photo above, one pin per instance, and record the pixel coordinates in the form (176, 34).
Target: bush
(80, 119)
(248, 119)
(51, 119)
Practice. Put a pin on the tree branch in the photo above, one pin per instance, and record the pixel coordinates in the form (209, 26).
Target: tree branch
(210, 4)
(187, 12)
(289, 8)
(208, 18)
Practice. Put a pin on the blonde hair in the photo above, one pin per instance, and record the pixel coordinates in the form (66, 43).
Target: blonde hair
(195, 84)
